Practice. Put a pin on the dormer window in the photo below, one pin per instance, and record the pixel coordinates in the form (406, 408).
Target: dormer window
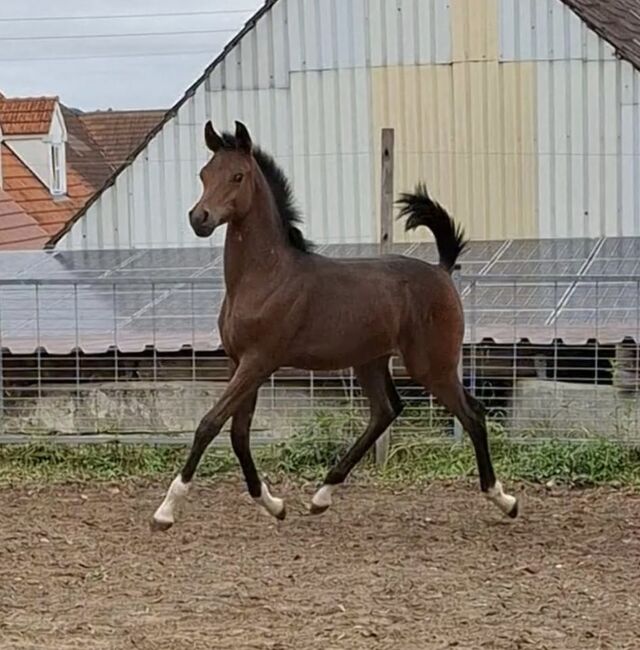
(58, 185)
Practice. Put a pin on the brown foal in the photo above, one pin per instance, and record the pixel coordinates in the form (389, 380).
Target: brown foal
(287, 306)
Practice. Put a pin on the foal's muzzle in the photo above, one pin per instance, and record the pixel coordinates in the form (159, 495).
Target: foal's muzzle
(202, 222)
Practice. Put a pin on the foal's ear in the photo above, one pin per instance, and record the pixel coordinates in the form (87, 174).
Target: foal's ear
(213, 140)
(243, 139)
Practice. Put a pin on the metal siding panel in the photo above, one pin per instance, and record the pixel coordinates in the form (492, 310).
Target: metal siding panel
(513, 136)
(442, 30)
(581, 167)
(263, 53)
(153, 226)
(407, 32)
(377, 33)
(524, 33)
(232, 70)
(392, 38)
(327, 35)
(296, 35)
(280, 45)
(575, 28)
(480, 163)
(215, 79)
(404, 32)
(357, 36)
(628, 147)
(595, 172)
(474, 30)
(577, 148)
(509, 35)
(545, 148)
(611, 148)
(248, 61)
(627, 75)
(172, 182)
(123, 205)
(363, 226)
(139, 227)
(557, 30)
(311, 34)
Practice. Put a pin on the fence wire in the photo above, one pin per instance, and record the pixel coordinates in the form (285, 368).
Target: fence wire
(139, 359)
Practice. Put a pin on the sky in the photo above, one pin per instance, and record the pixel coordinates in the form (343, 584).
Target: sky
(80, 50)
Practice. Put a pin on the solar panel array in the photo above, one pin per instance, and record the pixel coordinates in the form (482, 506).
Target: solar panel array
(170, 298)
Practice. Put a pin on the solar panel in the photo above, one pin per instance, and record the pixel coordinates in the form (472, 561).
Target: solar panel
(602, 303)
(25, 264)
(537, 267)
(157, 307)
(483, 251)
(619, 248)
(548, 249)
(512, 305)
(187, 259)
(95, 261)
(613, 267)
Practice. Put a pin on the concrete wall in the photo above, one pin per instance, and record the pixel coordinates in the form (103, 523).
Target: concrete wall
(151, 407)
(548, 409)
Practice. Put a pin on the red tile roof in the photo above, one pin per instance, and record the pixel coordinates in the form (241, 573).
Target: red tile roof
(118, 133)
(26, 116)
(17, 229)
(84, 154)
(34, 197)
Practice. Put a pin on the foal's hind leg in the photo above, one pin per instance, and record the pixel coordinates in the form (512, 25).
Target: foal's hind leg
(451, 393)
(240, 437)
(385, 406)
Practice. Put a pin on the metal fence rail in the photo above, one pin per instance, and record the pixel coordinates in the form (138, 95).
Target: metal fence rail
(550, 356)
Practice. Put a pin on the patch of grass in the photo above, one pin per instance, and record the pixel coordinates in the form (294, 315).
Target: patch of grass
(318, 444)
(51, 462)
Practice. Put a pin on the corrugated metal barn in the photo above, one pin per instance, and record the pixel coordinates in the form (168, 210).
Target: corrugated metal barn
(521, 115)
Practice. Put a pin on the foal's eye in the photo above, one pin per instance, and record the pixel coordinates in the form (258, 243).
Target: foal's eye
(238, 178)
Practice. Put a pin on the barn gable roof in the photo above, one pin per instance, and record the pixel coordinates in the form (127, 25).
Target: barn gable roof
(169, 115)
(615, 21)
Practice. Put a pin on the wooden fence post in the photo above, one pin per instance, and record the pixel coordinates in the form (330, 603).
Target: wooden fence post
(458, 431)
(386, 241)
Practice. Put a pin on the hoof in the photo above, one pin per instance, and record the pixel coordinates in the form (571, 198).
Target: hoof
(282, 515)
(513, 513)
(317, 510)
(159, 526)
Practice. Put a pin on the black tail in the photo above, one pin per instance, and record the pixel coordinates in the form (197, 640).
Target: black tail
(422, 210)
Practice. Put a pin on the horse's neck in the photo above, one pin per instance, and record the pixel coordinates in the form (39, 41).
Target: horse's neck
(256, 247)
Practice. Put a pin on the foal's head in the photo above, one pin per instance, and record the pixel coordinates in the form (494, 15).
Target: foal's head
(228, 181)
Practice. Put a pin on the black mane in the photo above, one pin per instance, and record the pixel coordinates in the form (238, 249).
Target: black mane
(282, 194)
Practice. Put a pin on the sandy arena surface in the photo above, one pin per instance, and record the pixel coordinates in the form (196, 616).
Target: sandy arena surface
(412, 569)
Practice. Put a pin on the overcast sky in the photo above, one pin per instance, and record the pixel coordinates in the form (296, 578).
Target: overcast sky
(61, 65)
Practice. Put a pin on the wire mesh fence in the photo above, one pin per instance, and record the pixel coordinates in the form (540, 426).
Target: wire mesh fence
(97, 358)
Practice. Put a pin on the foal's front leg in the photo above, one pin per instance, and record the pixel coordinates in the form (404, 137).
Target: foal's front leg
(243, 384)
(240, 440)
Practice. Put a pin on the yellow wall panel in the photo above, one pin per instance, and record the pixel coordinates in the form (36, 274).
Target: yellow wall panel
(468, 132)
(474, 30)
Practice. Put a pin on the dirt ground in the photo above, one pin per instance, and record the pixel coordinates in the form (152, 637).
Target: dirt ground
(410, 569)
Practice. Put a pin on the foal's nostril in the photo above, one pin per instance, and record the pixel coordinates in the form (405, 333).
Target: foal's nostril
(205, 216)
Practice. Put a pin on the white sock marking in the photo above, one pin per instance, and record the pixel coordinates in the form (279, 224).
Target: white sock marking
(176, 493)
(503, 500)
(271, 504)
(322, 498)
